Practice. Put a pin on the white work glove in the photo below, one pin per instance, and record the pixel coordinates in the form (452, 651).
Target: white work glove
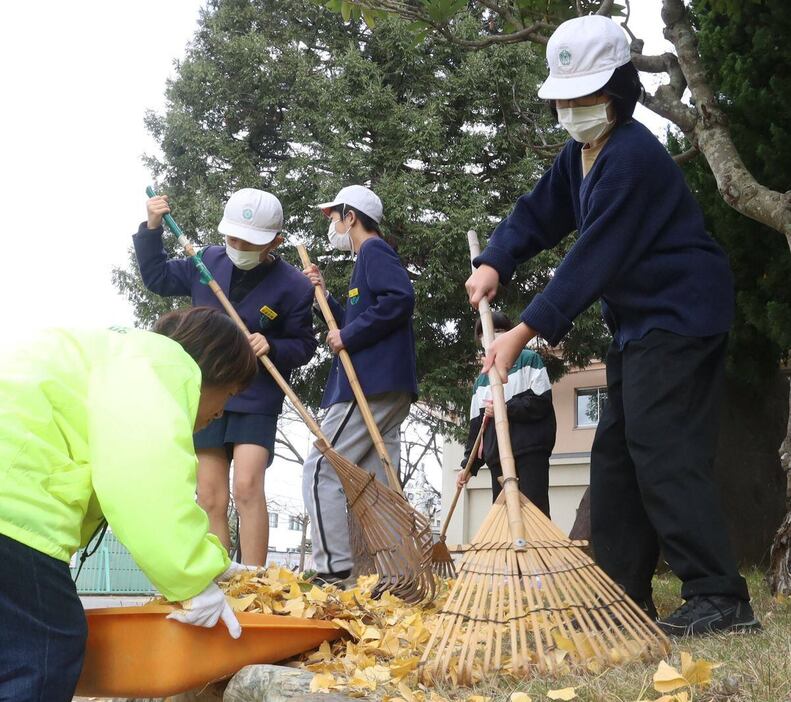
(206, 609)
(235, 569)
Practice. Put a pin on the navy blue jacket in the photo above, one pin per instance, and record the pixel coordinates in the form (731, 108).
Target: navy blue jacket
(642, 247)
(287, 323)
(376, 327)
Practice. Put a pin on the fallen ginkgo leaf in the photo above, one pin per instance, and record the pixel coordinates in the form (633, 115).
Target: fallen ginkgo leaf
(567, 693)
(667, 678)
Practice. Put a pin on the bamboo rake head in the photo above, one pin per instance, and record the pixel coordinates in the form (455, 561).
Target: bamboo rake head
(442, 561)
(543, 610)
(397, 537)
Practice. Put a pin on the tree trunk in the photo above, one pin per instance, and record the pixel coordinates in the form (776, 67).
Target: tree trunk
(780, 568)
(711, 135)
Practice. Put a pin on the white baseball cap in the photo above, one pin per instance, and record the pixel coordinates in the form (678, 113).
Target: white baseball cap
(359, 197)
(582, 54)
(253, 215)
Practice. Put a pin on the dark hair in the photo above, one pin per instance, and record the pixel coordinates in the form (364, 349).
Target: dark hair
(215, 343)
(624, 90)
(500, 321)
(369, 224)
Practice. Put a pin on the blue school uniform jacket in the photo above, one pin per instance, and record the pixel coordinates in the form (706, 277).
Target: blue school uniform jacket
(279, 307)
(642, 247)
(376, 327)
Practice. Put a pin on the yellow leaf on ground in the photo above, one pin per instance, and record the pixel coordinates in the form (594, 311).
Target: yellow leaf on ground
(520, 697)
(361, 681)
(696, 672)
(316, 595)
(406, 693)
(296, 608)
(682, 696)
(479, 698)
(567, 693)
(240, 604)
(667, 678)
(322, 682)
(400, 668)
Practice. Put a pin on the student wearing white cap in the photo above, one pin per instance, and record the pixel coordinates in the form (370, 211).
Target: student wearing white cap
(274, 300)
(375, 327)
(666, 294)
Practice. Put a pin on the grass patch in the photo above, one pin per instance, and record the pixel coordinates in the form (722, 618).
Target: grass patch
(754, 667)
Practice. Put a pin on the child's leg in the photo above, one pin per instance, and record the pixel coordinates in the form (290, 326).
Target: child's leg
(213, 495)
(389, 411)
(624, 540)
(321, 488)
(532, 469)
(249, 466)
(325, 500)
(672, 391)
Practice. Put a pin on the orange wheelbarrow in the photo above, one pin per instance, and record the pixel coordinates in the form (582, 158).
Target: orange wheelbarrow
(136, 652)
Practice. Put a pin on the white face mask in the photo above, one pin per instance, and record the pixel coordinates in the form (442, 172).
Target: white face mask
(246, 260)
(585, 124)
(338, 240)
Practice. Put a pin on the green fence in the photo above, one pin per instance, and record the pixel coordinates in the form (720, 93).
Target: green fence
(111, 571)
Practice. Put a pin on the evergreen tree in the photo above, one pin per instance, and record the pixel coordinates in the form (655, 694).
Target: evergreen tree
(281, 95)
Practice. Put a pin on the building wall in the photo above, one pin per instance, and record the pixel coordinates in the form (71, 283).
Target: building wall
(569, 465)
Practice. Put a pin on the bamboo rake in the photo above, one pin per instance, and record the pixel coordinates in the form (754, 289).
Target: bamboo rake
(528, 600)
(395, 534)
(442, 561)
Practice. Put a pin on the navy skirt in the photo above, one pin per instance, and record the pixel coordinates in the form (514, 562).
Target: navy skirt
(239, 428)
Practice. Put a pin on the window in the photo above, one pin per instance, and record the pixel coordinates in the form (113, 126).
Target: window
(590, 404)
(273, 520)
(294, 523)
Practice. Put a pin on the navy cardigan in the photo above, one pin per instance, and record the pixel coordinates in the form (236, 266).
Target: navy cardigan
(287, 321)
(376, 327)
(642, 247)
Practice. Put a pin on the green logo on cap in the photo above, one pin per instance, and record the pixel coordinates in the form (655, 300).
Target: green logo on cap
(247, 214)
(564, 57)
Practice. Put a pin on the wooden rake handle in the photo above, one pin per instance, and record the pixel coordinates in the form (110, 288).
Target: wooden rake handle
(459, 488)
(346, 360)
(510, 485)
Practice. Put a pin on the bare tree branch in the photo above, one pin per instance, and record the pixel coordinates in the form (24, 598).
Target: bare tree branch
(686, 156)
(710, 134)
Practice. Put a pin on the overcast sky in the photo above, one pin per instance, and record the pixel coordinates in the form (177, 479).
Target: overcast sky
(77, 78)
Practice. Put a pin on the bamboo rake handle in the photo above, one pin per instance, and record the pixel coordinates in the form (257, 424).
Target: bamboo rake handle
(234, 315)
(466, 471)
(510, 486)
(346, 360)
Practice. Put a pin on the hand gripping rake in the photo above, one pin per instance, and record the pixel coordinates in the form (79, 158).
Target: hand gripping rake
(528, 600)
(392, 530)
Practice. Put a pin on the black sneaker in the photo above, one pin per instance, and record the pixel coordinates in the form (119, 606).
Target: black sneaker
(706, 614)
(341, 579)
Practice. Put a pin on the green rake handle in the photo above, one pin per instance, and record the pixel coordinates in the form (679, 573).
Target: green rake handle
(208, 279)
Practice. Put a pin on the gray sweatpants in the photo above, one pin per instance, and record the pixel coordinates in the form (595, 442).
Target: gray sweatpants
(322, 492)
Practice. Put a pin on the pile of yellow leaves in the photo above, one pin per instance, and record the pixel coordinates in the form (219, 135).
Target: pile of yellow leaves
(387, 636)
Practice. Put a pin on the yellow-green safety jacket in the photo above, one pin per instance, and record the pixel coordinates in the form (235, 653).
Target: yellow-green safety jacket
(99, 423)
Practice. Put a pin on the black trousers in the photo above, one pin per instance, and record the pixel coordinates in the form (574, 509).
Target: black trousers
(651, 467)
(532, 470)
(42, 626)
